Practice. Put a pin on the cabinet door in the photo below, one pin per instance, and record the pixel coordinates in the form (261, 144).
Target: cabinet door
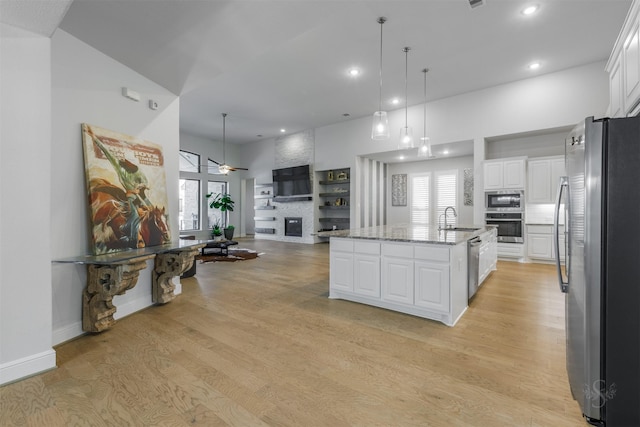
(631, 64)
(513, 175)
(539, 246)
(616, 90)
(366, 275)
(539, 181)
(341, 271)
(397, 280)
(493, 175)
(432, 286)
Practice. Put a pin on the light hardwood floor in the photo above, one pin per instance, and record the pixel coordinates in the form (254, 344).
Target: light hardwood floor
(258, 342)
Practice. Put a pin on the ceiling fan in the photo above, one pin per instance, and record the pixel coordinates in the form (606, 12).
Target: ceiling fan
(224, 168)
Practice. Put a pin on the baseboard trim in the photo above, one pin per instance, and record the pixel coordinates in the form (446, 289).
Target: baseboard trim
(27, 366)
(67, 333)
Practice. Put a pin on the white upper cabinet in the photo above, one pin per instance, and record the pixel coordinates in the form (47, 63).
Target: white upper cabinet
(616, 90)
(504, 174)
(543, 175)
(624, 66)
(631, 67)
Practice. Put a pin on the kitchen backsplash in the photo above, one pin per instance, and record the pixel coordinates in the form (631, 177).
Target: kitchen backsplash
(542, 214)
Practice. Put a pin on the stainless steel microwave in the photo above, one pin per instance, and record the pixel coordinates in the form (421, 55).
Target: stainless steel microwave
(505, 200)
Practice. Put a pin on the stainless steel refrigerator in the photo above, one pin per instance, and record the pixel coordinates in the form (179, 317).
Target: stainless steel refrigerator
(601, 199)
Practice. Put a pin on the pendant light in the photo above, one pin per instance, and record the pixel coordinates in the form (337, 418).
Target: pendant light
(224, 168)
(380, 126)
(424, 150)
(406, 133)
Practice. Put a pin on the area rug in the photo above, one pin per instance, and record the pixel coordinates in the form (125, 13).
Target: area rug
(238, 254)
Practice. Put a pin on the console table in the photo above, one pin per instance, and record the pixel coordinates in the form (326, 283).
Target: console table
(113, 274)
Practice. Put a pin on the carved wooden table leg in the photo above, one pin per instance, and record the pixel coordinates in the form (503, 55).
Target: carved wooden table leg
(103, 283)
(167, 266)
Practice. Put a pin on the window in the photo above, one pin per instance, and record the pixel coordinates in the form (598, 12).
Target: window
(420, 189)
(431, 194)
(189, 212)
(215, 187)
(446, 187)
(189, 162)
(194, 212)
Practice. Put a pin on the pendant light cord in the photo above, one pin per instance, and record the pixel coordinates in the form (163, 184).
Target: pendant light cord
(424, 125)
(224, 133)
(381, 21)
(406, 74)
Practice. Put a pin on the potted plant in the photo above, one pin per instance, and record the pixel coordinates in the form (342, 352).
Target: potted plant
(225, 203)
(216, 231)
(228, 232)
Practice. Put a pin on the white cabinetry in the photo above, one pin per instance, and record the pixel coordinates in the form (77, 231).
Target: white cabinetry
(540, 242)
(341, 265)
(426, 280)
(488, 254)
(616, 89)
(631, 67)
(624, 67)
(504, 174)
(397, 273)
(543, 175)
(432, 278)
(432, 285)
(366, 268)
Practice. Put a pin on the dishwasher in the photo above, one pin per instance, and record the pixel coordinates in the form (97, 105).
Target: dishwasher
(473, 259)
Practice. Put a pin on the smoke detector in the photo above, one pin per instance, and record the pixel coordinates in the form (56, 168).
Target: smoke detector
(476, 3)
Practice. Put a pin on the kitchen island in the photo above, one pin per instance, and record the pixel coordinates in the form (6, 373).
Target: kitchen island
(411, 268)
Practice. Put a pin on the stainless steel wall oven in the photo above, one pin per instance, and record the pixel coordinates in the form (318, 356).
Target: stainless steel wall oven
(510, 226)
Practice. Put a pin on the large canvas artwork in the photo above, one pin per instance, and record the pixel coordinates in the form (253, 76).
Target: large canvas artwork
(127, 191)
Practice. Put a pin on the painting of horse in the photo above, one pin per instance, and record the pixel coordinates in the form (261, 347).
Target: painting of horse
(126, 191)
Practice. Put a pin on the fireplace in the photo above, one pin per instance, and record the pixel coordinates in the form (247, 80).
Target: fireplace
(293, 226)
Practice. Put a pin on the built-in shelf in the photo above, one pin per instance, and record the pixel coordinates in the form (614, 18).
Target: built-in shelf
(292, 199)
(335, 181)
(265, 230)
(262, 196)
(261, 208)
(332, 207)
(335, 194)
(264, 218)
(334, 191)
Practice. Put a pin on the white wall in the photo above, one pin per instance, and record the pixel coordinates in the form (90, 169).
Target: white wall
(25, 259)
(87, 89)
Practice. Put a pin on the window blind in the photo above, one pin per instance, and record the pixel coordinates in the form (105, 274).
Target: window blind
(420, 198)
(446, 186)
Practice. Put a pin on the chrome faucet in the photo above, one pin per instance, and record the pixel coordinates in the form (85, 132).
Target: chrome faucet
(455, 215)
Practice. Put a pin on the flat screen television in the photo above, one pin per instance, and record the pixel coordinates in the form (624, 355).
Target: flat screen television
(293, 181)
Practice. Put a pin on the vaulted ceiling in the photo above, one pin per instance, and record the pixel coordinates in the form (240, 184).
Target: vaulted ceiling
(275, 64)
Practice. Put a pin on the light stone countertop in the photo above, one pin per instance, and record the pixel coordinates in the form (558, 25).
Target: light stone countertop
(418, 233)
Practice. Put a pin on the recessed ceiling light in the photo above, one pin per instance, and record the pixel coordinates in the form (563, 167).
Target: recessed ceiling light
(445, 152)
(283, 130)
(395, 101)
(530, 10)
(534, 66)
(354, 72)
(401, 157)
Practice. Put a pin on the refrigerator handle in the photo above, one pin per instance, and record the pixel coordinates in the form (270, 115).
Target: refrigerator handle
(562, 185)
